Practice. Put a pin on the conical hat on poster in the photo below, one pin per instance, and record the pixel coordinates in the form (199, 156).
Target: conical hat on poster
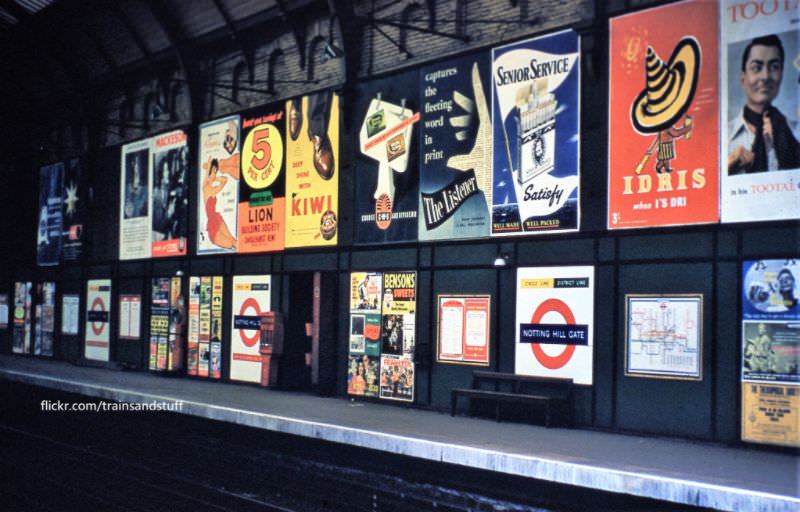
(670, 87)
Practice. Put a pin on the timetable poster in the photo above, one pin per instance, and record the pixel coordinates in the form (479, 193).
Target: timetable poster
(536, 134)
(771, 351)
(170, 194)
(555, 322)
(135, 211)
(313, 167)
(74, 211)
(98, 318)
(759, 110)
(130, 312)
(455, 157)
(386, 165)
(70, 314)
(21, 333)
(218, 186)
(251, 297)
(463, 329)
(48, 239)
(262, 188)
(366, 297)
(664, 117)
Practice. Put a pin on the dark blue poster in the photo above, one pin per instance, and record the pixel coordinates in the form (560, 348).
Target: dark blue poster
(385, 167)
(455, 149)
(73, 212)
(771, 290)
(535, 121)
(48, 238)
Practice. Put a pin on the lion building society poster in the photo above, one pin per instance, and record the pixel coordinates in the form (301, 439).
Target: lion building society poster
(455, 157)
(535, 119)
(386, 163)
(663, 117)
(555, 317)
(135, 211)
(218, 186)
(771, 351)
(170, 194)
(760, 110)
(48, 238)
(262, 187)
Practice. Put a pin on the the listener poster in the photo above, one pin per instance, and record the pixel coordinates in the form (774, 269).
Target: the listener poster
(218, 186)
(312, 170)
(48, 239)
(170, 194)
(455, 157)
(555, 318)
(262, 188)
(98, 317)
(23, 301)
(251, 297)
(771, 351)
(760, 111)
(386, 164)
(135, 211)
(664, 117)
(75, 199)
(535, 119)
(366, 296)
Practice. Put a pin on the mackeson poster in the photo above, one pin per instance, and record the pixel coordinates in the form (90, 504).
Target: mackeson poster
(664, 117)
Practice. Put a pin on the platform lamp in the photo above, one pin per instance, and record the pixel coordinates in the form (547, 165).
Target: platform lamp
(501, 260)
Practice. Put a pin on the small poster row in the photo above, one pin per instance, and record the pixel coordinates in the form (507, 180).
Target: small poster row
(167, 323)
(204, 338)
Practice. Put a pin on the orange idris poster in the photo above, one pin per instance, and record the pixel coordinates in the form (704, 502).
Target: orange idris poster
(464, 329)
(312, 170)
(663, 117)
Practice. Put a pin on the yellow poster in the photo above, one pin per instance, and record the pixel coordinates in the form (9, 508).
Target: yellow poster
(312, 165)
(771, 413)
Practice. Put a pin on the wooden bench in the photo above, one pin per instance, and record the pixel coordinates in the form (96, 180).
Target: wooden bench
(553, 393)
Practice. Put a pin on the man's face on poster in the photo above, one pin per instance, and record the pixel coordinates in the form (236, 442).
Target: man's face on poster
(761, 78)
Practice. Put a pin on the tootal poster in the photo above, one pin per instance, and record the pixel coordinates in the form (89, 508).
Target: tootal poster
(262, 188)
(386, 164)
(48, 239)
(535, 122)
(312, 170)
(760, 110)
(135, 212)
(663, 117)
(218, 186)
(98, 318)
(251, 297)
(170, 194)
(555, 318)
(455, 157)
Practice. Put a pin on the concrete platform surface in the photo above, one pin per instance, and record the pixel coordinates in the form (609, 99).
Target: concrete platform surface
(692, 473)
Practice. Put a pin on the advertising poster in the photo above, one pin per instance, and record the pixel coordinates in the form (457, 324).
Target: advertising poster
(135, 214)
(70, 314)
(398, 331)
(73, 213)
(262, 189)
(386, 164)
(555, 322)
(204, 335)
(455, 157)
(366, 297)
(664, 336)
(463, 329)
(312, 170)
(397, 378)
(771, 352)
(21, 335)
(759, 111)
(3, 311)
(130, 310)
(193, 327)
(215, 355)
(159, 323)
(45, 322)
(48, 238)
(664, 117)
(251, 297)
(177, 325)
(218, 186)
(536, 132)
(170, 194)
(98, 318)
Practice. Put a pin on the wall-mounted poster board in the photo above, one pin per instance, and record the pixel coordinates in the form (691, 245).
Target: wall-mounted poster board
(555, 322)
(664, 336)
(167, 323)
(98, 317)
(70, 314)
(463, 329)
(130, 317)
(218, 186)
(45, 322)
(771, 352)
(134, 203)
(204, 345)
(170, 194)
(251, 297)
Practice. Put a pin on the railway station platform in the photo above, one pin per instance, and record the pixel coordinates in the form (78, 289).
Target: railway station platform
(679, 471)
